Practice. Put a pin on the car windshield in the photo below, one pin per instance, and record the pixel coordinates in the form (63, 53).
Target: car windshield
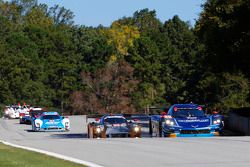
(188, 113)
(115, 120)
(51, 117)
(33, 113)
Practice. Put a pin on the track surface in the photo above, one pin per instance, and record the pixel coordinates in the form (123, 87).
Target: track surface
(143, 152)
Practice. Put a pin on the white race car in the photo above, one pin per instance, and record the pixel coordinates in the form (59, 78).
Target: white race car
(12, 111)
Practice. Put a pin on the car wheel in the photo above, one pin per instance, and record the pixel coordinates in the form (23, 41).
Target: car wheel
(160, 129)
(150, 128)
(90, 132)
(103, 135)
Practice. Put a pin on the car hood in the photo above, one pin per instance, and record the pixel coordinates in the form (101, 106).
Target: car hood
(54, 122)
(117, 129)
(193, 122)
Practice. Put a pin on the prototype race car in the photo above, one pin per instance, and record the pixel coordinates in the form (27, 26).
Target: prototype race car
(12, 111)
(113, 126)
(32, 112)
(184, 120)
(23, 114)
(50, 121)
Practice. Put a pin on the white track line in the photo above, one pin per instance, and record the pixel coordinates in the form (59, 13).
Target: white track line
(60, 156)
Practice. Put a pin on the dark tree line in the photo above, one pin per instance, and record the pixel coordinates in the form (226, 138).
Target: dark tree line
(137, 62)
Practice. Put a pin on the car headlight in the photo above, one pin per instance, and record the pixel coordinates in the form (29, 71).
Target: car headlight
(136, 129)
(217, 121)
(169, 122)
(98, 130)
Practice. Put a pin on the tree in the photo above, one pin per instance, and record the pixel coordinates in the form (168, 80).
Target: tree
(121, 37)
(92, 46)
(223, 26)
(224, 91)
(108, 90)
(61, 15)
(182, 55)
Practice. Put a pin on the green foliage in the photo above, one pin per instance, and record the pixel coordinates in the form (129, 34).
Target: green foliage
(223, 26)
(44, 56)
(225, 91)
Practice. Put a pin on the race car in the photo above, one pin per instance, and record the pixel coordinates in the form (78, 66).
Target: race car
(12, 111)
(24, 113)
(50, 121)
(32, 112)
(186, 120)
(113, 126)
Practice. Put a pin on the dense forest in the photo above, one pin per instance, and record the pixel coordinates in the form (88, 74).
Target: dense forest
(136, 63)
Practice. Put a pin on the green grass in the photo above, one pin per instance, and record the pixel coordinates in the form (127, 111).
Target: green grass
(15, 157)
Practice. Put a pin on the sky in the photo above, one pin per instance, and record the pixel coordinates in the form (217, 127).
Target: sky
(104, 12)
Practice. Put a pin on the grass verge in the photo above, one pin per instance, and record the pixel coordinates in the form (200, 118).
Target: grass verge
(15, 157)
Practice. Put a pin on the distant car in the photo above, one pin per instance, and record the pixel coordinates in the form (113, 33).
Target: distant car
(50, 121)
(113, 126)
(34, 112)
(12, 111)
(24, 114)
(184, 120)
(139, 119)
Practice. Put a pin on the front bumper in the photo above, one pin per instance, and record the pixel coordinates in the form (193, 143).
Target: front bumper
(112, 135)
(52, 128)
(194, 135)
(201, 132)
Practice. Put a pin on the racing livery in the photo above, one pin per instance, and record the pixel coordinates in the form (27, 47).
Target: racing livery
(184, 120)
(50, 121)
(34, 112)
(113, 126)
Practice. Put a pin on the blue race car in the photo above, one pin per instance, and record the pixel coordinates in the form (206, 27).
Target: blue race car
(186, 120)
(50, 121)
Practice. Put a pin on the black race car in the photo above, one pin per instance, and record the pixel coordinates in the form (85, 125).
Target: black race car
(113, 126)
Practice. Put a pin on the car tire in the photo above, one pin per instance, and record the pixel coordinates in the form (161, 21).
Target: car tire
(150, 128)
(160, 129)
(90, 132)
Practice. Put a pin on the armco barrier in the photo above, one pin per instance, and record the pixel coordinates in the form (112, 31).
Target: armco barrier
(239, 123)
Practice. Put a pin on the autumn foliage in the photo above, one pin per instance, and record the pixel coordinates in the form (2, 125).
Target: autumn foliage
(109, 90)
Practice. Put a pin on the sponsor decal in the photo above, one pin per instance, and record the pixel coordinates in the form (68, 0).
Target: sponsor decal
(195, 126)
(51, 123)
(194, 120)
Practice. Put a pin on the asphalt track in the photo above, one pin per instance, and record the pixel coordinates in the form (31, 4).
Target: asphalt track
(126, 152)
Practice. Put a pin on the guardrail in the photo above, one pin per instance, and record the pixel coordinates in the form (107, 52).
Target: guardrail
(239, 123)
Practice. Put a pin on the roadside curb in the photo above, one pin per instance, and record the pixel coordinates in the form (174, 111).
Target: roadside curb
(60, 156)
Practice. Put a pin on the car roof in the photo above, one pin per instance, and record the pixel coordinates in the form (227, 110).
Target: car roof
(185, 105)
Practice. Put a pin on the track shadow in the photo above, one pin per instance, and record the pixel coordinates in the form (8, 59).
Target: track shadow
(231, 133)
(69, 136)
